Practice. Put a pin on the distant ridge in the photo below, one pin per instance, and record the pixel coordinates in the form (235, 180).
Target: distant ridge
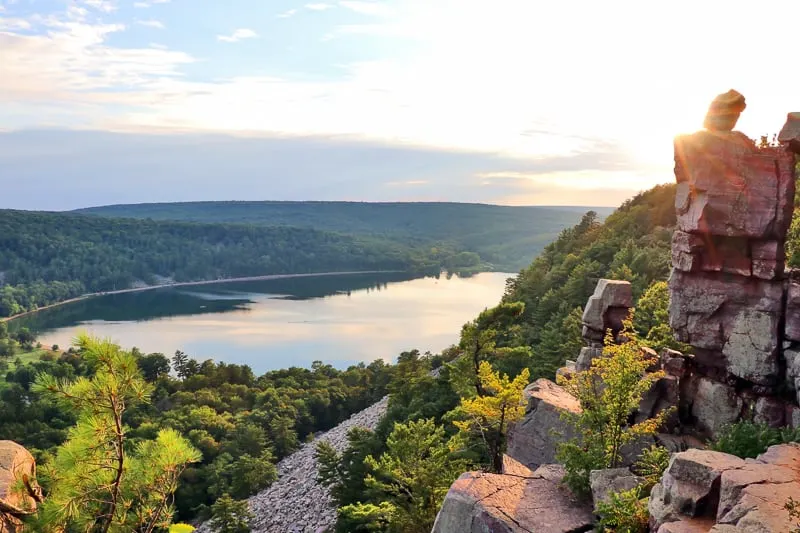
(508, 237)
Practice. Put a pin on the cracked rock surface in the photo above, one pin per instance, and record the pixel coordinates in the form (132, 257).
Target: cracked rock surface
(518, 502)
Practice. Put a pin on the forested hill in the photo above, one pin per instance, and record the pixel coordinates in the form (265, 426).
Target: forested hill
(508, 238)
(50, 257)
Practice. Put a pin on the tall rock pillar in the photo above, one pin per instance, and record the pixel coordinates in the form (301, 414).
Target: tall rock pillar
(734, 204)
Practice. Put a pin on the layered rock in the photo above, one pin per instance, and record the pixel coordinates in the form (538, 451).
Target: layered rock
(706, 491)
(19, 494)
(535, 502)
(730, 298)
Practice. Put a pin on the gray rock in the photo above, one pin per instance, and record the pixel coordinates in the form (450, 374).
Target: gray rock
(715, 405)
(587, 355)
(687, 488)
(478, 503)
(609, 303)
(770, 411)
(751, 346)
(534, 439)
(790, 133)
(606, 482)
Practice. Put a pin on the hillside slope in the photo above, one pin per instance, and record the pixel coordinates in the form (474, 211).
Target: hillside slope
(507, 237)
(49, 257)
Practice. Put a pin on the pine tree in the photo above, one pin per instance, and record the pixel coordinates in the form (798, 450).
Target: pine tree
(230, 516)
(100, 482)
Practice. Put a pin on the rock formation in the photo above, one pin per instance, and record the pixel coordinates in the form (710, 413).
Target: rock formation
(708, 491)
(724, 111)
(729, 293)
(19, 494)
(517, 501)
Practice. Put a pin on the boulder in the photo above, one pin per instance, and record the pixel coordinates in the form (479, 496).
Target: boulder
(724, 111)
(608, 306)
(19, 492)
(673, 363)
(478, 502)
(534, 439)
(735, 480)
(715, 405)
(610, 480)
(770, 411)
(790, 134)
(587, 355)
(690, 486)
(729, 188)
(761, 508)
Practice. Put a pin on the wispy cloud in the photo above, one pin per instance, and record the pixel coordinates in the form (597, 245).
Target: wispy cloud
(287, 14)
(319, 6)
(148, 3)
(106, 6)
(238, 35)
(157, 24)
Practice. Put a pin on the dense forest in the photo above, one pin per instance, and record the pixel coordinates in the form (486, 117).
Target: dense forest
(49, 257)
(507, 238)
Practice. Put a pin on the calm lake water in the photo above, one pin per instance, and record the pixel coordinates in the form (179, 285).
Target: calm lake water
(273, 324)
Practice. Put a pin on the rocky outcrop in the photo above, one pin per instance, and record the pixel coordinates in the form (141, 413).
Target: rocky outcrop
(705, 491)
(730, 297)
(19, 494)
(296, 503)
(724, 111)
(606, 309)
(503, 503)
(534, 439)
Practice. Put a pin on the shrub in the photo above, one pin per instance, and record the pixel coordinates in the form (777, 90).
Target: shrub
(793, 506)
(608, 393)
(625, 512)
(651, 465)
(748, 439)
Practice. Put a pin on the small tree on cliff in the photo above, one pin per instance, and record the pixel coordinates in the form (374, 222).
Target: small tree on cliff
(609, 392)
(489, 416)
(99, 481)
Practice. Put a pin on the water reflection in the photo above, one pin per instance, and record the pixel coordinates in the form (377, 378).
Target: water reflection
(279, 323)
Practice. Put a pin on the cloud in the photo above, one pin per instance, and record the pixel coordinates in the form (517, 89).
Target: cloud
(238, 35)
(319, 7)
(157, 24)
(287, 14)
(106, 6)
(149, 3)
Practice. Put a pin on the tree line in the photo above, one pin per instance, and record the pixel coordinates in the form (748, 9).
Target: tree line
(50, 257)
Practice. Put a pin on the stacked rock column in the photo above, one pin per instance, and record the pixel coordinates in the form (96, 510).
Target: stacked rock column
(728, 284)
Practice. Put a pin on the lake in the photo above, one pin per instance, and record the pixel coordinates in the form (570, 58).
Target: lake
(271, 324)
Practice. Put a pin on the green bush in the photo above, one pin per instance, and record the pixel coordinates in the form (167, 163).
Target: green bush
(625, 512)
(748, 439)
(651, 465)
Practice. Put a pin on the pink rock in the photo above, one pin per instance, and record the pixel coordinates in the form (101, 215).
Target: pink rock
(728, 187)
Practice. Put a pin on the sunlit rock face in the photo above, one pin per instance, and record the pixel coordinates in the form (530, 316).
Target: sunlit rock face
(731, 298)
(19, 493)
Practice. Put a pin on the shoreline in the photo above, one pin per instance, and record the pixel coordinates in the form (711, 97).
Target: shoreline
(265, 277)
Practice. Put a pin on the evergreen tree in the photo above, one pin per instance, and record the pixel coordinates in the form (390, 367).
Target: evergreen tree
(230, 516)
(99, 480)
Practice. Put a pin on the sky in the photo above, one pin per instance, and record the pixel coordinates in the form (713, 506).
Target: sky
(517, 102)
